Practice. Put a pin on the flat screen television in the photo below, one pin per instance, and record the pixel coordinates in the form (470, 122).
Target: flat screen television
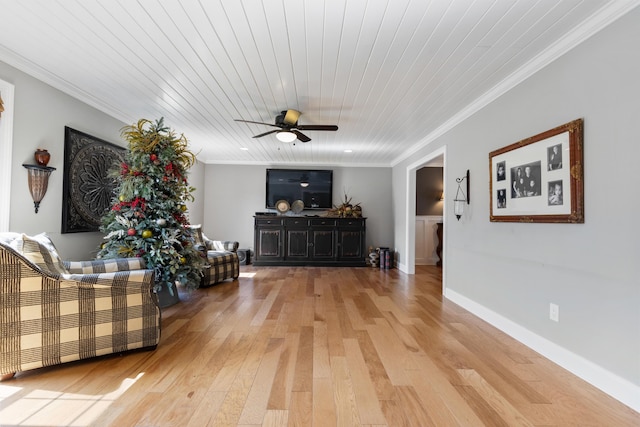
(313, 187)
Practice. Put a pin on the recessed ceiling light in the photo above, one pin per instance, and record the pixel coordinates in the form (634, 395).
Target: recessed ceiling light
(244, 148)
(348, 150)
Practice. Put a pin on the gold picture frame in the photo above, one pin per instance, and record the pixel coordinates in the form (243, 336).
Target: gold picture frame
(539, 179)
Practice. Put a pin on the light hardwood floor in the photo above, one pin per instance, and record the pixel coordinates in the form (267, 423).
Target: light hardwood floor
(315, 347)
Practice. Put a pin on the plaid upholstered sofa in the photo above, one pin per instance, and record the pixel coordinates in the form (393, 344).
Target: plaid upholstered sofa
(53, 311)
(222, 258)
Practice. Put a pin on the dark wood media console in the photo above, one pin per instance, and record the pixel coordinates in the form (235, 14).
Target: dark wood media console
(309, 241)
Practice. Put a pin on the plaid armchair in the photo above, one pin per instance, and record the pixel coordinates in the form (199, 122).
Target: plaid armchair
(55, 311)
(222, 258)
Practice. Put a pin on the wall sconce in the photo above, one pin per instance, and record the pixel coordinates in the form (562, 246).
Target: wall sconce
(441, 196)
(38, 176)
(458, 203)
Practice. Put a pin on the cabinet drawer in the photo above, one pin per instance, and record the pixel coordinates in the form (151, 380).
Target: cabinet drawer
(358, 223)
(323, 221)
(268, 221)
(296, 222)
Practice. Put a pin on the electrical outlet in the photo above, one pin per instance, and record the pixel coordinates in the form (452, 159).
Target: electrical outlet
(554, 312)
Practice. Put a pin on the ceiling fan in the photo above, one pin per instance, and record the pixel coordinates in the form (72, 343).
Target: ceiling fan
(289, 129)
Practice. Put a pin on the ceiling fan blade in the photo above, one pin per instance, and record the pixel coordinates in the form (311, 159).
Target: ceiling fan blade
(301, 136)
(266, 133)
(257, 123)
(317, 127)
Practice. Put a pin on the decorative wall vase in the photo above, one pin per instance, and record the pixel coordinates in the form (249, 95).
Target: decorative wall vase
(42, 157)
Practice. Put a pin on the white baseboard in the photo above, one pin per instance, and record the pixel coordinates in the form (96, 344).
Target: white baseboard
(403, 268)
(615, 386)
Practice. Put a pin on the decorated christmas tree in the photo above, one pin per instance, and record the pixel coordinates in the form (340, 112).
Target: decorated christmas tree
(148, 218)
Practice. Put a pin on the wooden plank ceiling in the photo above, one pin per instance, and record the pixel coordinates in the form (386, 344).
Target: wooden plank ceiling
(391, 74)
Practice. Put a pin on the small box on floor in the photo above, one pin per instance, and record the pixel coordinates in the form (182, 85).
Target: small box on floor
(386, 258)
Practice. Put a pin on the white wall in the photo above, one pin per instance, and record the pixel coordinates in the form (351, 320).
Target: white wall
(235, 193)
(510, 272)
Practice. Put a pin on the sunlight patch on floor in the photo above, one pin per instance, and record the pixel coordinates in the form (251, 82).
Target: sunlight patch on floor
(55, 408)
(247, 274)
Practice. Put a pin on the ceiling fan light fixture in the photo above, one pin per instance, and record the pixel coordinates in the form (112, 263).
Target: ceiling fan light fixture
(291, 117)
(286, 136)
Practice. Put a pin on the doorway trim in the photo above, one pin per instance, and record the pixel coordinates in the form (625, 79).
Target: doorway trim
(6, 146)
(410, 211)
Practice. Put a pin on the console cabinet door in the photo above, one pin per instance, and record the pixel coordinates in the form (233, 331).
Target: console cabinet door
(323, 244)
(323, 239)
(351, 235)
(297, 239)
(268, 243)
(297, 244)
